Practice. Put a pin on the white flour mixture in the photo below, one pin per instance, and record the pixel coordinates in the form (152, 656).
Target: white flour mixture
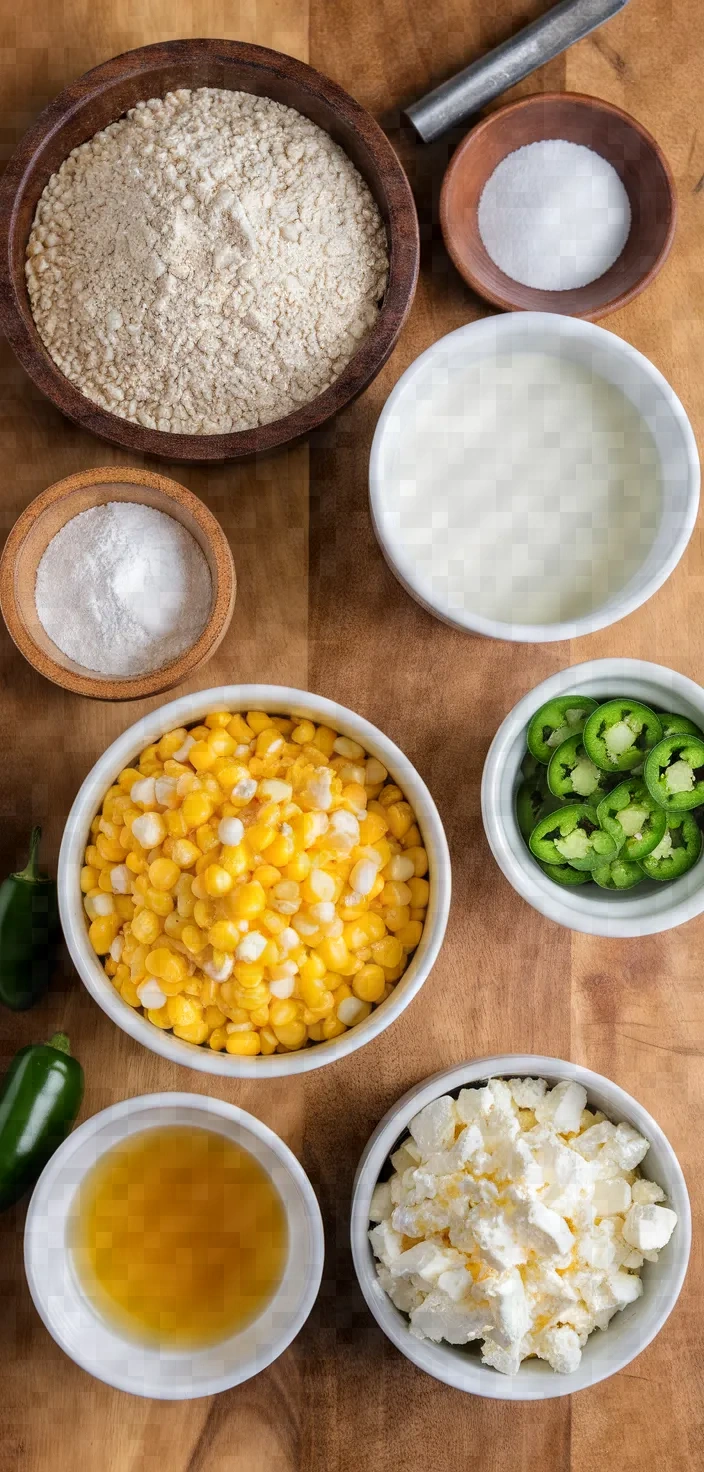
(123, 589)
(521, 487)
(207, 264)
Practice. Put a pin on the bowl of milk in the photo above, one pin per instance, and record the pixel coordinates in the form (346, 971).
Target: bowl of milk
(533, 477)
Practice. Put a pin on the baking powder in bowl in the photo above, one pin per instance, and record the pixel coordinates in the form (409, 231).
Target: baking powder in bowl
(520, 487)
(123, 589)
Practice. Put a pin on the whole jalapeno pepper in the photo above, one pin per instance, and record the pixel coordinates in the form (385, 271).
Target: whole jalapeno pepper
(40, 1097)
(632, 816)
(572, 836)
(677, 852)
(619, 874)
(674, 725)
(572, 774)
(674, 773)
(565, 875)
(29, 927)
(554, 722)
(618, 735)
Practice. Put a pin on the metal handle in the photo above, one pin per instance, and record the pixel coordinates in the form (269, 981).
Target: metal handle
(456, 99)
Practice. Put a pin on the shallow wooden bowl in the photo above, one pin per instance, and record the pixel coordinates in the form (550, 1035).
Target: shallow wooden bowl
(637, 159)
(47, 514)
(104, 95)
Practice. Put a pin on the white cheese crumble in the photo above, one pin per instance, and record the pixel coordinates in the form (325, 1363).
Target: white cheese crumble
(515, 1215)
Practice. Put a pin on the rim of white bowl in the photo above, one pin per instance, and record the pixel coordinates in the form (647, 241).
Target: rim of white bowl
(553, 327)
(456, 1370)
(203, 1108)
(278, 699)
(608, 914)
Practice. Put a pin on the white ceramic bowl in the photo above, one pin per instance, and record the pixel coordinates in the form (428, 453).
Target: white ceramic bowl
(71, 1317)
(275, 699)
(629, 1331)
(610, 358)
(650, 908)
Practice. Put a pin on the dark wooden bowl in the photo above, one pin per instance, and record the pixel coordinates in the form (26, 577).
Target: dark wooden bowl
(637, 159)
(104, 95)
(47, 514)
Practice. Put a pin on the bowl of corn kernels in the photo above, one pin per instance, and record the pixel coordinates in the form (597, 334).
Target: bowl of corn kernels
(253, 881)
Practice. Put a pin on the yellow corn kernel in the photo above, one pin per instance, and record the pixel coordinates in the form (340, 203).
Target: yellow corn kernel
(324, 740)
(268, 1041)
(170, 743)
(280, 850)
(194, 939)
(248, 974)
(260, 1017)
(273, 922)
(400, 818)
(128, 992)
(238, 729)
(197, 807)
(160, 1017)
(163, 874)
(387, 952)
(248, 901)
(158, 901)
(184, 853)
(324, 1007)
(315, 1032)
(217, 1039)
(420, 893)
(257, 720)
(355, 938)
(234, 859)
(312, 990)
(110, 849)
(192, 1032)
(217, 882)
(167, 964)
(267, 876)
(420, 860)
(331, 1028)
(221, 744)
(104, 881)
(136, 863)
(127, 778)
(176, 825)
(390, 794)
(110, 967)
(313, 969)
(396, 894)
(93, 859)
(369, 983)
(218, 720)
(204, 914)
(124, 906)
(89, 878)
(334, 953)
(198, 890)
(146, 926)
(339, 992)
(396, 917)
(184, 1010)
(292, 1034)
(282, 1011)
(201, 756)
(243, 1044)
(410, 935)
(354, 796)
(299, 867)
(206, 837)
(260, 836)
(373, 926)
(173, 925)
(223, 935)
(303, 733)
(372, 828)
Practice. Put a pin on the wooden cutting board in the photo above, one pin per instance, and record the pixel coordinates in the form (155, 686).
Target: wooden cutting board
(318, 608)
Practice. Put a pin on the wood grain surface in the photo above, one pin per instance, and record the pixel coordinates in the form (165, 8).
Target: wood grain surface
(317, 607)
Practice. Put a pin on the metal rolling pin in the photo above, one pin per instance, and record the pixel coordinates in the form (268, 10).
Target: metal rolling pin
(456, 99)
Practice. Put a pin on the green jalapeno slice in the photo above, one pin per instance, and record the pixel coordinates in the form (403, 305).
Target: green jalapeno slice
(633, 817)
(619, 874)
(533, 801)
(565, 875)
(674, 725)
(572, 773)
(678, 851)
(674, 773)
(555, 721)
(572, 836)
(620, 733)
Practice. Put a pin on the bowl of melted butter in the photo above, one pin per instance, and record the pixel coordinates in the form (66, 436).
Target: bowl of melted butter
(173, 1246)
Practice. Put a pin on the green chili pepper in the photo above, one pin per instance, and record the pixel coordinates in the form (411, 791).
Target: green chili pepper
(39, 1100)
(674, 773)
(29, 927)
(565, 875)
(572, 836)
(632, 816)
(678, 851)
(619, 874)
(533, 801)
(554, 722)
(619, 733)
(674, 725)
(572, 773)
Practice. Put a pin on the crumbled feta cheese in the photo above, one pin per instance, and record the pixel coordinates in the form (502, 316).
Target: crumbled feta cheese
(527, 1226)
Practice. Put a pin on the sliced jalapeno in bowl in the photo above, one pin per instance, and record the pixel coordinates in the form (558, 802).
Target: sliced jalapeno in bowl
(565, 875)
(674, 773)
(572, 836)
(572, 773)
(619, 734)
(677, 851)
(533, 801)
(633, 817)
(619, 874)
(674, 725)
(554, 722)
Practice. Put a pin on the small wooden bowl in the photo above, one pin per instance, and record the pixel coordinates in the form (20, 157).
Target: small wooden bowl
(637, 159)
(104, 95)
(47, 514)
